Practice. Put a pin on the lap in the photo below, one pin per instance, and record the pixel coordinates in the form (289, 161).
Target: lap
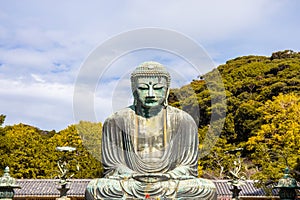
(106, 188)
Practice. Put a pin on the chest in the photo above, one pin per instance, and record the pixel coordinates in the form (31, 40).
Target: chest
(151, 137)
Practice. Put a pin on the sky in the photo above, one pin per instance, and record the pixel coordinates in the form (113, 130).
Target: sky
(45, 45)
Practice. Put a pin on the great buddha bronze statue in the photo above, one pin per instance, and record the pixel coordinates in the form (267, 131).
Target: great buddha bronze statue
(150, 149)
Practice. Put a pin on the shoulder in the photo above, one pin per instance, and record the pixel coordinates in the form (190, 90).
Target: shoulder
(120, 115)
(182, 120)
(180, 114)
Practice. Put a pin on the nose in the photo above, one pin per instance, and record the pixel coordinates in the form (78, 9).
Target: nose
(150, 92)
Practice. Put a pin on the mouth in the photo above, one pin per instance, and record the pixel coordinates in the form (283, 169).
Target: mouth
(150, 100)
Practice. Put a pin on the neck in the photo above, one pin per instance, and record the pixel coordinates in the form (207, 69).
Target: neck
(148, 112)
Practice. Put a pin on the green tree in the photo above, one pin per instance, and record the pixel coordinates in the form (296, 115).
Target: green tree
(247, 120)
(3, 147)
(91, 135)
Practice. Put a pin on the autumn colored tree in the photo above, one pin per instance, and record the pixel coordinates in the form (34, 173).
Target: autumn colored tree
(25, 151)
(31, 152)
(276, 144)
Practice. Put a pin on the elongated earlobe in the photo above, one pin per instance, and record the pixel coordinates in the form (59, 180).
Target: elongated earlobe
(135, 97)
(165, 104)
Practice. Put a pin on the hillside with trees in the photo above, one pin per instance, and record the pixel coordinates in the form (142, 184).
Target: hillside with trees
(262, 121)
(262, 116)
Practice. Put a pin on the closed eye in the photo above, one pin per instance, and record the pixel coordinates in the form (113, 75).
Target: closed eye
(158, 86)
(143, 87)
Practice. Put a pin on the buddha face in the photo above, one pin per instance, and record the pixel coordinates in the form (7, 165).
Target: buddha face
(151, 91)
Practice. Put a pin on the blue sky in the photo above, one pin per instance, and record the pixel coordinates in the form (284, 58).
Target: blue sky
(43, 45)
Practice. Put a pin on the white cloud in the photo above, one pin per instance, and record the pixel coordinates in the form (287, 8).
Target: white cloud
(38, 78)
(206, 20)
(47, 106)
(44, 43)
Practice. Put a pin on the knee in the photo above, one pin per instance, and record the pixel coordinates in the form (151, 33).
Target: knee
(103, 189)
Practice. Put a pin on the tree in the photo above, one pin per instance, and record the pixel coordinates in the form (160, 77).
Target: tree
(31, 152)
(91, 134)
(276, 144)
(90, 167)
(25, 151)
(247, 120)
(2, 119)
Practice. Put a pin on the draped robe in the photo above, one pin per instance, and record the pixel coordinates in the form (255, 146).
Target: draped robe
(176, 156)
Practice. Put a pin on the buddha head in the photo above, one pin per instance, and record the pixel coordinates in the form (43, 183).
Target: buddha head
(150, 84)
